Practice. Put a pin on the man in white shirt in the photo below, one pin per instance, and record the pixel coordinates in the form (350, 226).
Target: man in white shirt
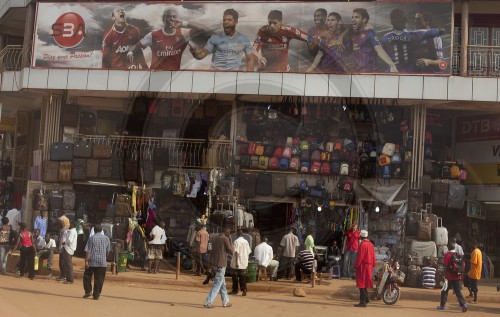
(264, 254)
(14, 216)
(46, 249)
(67, 251)
(239, 263)
(155, 247)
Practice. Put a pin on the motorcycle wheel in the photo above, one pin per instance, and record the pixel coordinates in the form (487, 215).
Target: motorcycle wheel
(390, 295)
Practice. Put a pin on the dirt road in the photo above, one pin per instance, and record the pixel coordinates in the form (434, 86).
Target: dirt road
(22, 297)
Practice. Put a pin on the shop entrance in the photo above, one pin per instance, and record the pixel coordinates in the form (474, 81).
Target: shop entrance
(271, 219)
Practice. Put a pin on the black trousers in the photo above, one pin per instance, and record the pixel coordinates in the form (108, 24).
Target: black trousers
(455, 285)
(99, 274)
(27, 257)
(286, 267)
(363, 296)
(298, 268)
(241, 276)
(66, 265)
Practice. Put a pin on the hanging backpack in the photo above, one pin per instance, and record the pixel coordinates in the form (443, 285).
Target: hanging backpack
(295, 163)
(325, 168)
(344, 168)
(287, 152)
(457, 265)
(316, 155)
(335, 168)
(315, 167)
(283, 165)
(304, 167)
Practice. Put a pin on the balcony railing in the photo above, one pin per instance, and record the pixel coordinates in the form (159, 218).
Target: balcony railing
(11, 57)
(179, 152)
(483, 61)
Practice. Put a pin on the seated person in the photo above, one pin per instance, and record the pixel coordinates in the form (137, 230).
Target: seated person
(332, 256)
(46, 250)
(264, 254)
(304, 263)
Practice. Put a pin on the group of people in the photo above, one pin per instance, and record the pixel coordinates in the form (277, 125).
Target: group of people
(335, 47)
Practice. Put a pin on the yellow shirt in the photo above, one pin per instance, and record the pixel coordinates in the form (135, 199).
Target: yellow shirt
(476, 264)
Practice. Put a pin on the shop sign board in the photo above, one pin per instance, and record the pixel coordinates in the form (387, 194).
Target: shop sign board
(352, 37)
(475, 209)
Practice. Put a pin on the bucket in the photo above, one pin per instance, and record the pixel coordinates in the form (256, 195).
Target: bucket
(253, 266)
(122, 261)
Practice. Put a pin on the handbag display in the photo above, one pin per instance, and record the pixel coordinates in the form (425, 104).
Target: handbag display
(102, 151)
(82, 148)
(61, 151)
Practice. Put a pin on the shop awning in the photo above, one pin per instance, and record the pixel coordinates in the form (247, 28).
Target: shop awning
(385, 193)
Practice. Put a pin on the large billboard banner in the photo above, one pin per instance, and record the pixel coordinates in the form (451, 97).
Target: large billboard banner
(315, 37)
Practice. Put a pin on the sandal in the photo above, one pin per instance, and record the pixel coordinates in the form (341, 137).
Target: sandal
(227, 305)
(208, 306)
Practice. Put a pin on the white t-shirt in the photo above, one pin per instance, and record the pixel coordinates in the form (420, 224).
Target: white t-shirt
(242, 251)
(158, 233)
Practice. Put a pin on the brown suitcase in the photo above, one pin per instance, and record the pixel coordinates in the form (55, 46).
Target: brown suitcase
(50, 171)
(102, 151)
(92, 168)
(64, 172)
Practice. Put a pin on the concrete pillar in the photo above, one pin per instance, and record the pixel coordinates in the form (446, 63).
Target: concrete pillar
(28, 34)
(464, 41)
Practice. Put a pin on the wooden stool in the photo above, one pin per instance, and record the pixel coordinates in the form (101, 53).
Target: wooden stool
(262, 274)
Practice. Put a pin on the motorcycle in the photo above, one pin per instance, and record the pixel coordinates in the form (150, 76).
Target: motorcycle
(389, 278)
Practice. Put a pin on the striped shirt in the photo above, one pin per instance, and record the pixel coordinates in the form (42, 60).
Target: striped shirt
(307, 259)
(98, 247)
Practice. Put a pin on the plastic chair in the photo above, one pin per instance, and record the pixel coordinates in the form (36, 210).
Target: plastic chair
(335, 271)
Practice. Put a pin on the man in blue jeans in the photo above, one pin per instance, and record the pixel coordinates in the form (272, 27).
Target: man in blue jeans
(221, 247)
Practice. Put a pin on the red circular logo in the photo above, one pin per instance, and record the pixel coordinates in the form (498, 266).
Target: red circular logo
(443, 64)
(68, 30)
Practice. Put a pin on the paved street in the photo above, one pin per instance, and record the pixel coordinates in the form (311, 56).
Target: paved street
(22, 297)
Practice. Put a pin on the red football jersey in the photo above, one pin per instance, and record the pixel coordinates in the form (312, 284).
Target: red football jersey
(115, 46)
(274, 47)
(166, 50)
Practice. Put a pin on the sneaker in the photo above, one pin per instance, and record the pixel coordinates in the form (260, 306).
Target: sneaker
(244, 293)
(441, 307)
(59, 279)
(87, 295)
(227, 305)
(68, 282)
(233, 292)
(208, 306)
(464, 309)
(360, 305)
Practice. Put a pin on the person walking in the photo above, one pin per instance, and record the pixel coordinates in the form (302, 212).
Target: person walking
(27, 254)
(239, 263)
(221, 247)
(8, 240)
(454, 265)
(289, 243)
(365, 261)
(201, 238)
(96, 250)
(474, 274)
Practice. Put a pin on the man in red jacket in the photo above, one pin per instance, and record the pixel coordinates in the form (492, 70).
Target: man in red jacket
(452, 279)
(365, 261)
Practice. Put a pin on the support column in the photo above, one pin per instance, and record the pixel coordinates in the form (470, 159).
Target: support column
(464, 41)
(28, 35)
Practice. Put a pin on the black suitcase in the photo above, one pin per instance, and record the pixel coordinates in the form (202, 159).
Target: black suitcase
(78, 169)
(456, 196)
(105, 168)
(69, 199)
(264, 184)
(55, 200)
(415, 199)
(279, 185)
(439, 195)
(120, 227)
(247, 184)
